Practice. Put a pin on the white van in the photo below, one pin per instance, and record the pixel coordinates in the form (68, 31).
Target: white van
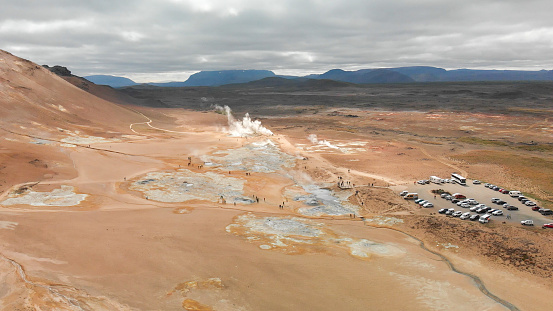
(484, 218)
(515, 194)
(435, 179)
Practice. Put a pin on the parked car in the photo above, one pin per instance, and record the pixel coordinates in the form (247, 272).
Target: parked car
(471, 201)
(420, 182)
(455, 201)
(476, 182)
(520, 198)
(465, 205)
(465, 216)
(549, 225)
(546, 212)
(512, 208)
(495, 200)
(500, 202)
(428, 205)
(442, 210)
(450, 211)
(527, 222)
(474, 217)
(403, 193)
(487, 185)
(481, 210)
(504, 191)
(457, 214)
(443, 195)
(536, 208)
(474, 208)
(418, 200)
(421, 203)
(496, 188)
(449, 198)
(529, 203)
(498, 213)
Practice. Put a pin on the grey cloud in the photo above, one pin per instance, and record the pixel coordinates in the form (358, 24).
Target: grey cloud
(137, 38)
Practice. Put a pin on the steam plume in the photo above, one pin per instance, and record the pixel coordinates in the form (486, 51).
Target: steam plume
(244, 127)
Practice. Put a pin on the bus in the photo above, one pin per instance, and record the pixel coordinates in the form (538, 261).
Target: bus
(459, 179)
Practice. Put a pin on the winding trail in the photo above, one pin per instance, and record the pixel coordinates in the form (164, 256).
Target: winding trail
(23, 276)
(475, 278)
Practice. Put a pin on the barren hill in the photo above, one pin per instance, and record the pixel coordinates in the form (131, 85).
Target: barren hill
(36, 101)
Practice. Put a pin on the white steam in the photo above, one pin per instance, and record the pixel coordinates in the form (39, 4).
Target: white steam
(244, 127)
(313, 139)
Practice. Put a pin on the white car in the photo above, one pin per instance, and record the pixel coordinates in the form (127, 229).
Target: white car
(529, 203)
(465, 205)
(476, 182)
(498, 213)
(403, 193)
(465, 216)
(474, 208)
(457, 214)
(427, 205)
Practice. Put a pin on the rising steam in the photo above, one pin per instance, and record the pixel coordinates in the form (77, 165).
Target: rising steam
(313, 139)
(244, 127)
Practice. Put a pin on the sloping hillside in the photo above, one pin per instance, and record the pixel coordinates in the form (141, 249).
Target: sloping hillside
(34, 100)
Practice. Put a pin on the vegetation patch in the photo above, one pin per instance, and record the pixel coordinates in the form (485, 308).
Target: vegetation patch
(537, 169)
(537, 147)
(480, 141)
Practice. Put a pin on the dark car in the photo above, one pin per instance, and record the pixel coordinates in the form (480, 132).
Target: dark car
(512, 208)
(474, 217)
(500, 202)
(504, 191)
(455, 201)
(520, 198)
(546, 212)
(496, 188)
(442, 210)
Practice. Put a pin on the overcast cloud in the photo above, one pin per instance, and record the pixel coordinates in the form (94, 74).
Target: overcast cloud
(170, 39)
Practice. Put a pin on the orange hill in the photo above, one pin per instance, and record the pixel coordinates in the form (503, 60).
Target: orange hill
(37, 102)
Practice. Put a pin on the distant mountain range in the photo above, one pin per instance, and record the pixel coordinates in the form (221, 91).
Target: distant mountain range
(363, 76)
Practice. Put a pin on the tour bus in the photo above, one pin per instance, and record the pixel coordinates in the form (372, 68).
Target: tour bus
(436, 179)
(459, 179)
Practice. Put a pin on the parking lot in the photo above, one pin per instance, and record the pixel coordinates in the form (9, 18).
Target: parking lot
(481, 194)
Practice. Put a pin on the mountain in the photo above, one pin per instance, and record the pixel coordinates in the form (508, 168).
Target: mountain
(422, 73)
(433, 74)
(278, 82)
(365, 76)
(112, 81)
(215, 78)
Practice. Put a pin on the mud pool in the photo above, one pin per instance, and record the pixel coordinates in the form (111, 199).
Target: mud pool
(64, 196)
(184, 185)
(296, 235)
(261, 157)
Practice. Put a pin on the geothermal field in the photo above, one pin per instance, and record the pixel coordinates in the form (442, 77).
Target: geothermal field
(109, 202)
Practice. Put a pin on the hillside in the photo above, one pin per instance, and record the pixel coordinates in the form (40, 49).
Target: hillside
(36, 101)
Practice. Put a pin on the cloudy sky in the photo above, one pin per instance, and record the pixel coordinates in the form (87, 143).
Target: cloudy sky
(165, 40)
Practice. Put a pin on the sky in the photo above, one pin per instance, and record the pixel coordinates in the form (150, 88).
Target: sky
(167, 40)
